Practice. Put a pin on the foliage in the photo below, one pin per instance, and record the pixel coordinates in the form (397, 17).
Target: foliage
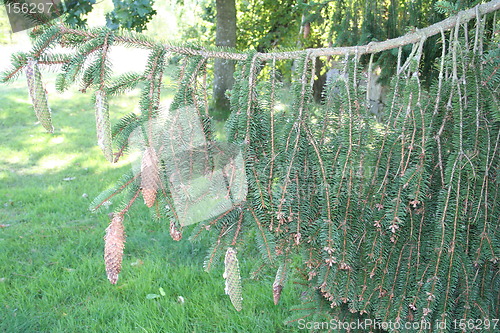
(394, 220)
(267, 24)
(126, 14)
(130, 15)
(445, 7)
(76, 10)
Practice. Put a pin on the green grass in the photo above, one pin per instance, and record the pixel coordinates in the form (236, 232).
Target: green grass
(52, 276)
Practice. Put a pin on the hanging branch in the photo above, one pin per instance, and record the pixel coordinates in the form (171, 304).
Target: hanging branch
(386, 214)
(374, 47)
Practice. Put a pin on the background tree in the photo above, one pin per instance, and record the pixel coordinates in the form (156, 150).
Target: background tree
(266, 24)
(225, 36)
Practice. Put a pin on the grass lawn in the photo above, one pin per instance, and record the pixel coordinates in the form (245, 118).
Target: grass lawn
(52, 276)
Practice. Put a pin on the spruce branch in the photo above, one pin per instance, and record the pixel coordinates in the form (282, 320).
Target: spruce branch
(266, 244)
(214, 251)
(101, 200)
(395, 218)
(134, 39)
(122, 131)
(45, 41)
(124, 83)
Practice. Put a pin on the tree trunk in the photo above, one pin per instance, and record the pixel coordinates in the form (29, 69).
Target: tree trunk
(225, 35)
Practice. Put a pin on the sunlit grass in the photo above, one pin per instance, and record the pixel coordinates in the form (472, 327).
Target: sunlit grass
(52, 276)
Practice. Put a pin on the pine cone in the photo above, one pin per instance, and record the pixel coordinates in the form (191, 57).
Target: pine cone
(233, 279)
(38, 95)
(113, 248)
(175, 233)
(279, 280)
(150, 178)
(103, 126)
(277, 288)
